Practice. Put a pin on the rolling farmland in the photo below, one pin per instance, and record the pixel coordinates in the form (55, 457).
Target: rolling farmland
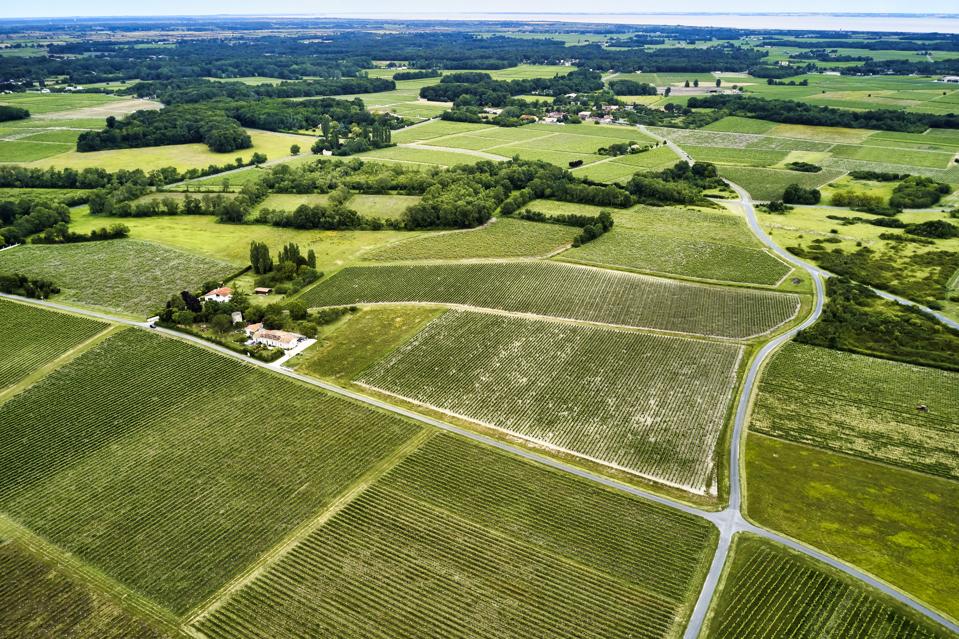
(862, 406)
(503, 238)
(565, 291)
(463, 541)
(39, 600)
(773, 593)
(648, 404)
(131, 276)
(32, 337)
(171, 468)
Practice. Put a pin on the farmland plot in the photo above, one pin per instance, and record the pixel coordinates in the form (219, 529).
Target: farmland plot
(565, 291)
(648, 404)
(768, 184)
(32, 337)
(460, 540)
(862, 406)
(170, 468)
(38, 600)
(503, 238)
(131, 276)
(774, 593)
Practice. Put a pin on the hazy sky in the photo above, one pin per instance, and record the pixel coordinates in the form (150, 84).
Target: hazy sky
(181, 7)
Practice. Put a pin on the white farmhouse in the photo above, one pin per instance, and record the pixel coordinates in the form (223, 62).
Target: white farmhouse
(222, 294)
(275, 339)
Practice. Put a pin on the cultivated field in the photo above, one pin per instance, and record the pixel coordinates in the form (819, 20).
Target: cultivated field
(565, 291)
(38, 600)
(862, 406)
(171, 468)
(648, 404)
(772, 593)
(462, 541)
(130, 276)
(765, 184)
(503, 238)
(386, 207)
(32, 337)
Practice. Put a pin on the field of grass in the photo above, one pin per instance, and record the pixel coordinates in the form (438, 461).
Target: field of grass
(38, 600)
(170, 468)
(386, 207)
(648, 404)
(363, 339)
(41, 103)
(459, 540)
(202, 235)
(736, 124)
(503, 238)
(413, 155)
(566, 291)
(862, 406)
(772, 592)
(32, 337)
(130, 276)
(899, 525)
(765, 184)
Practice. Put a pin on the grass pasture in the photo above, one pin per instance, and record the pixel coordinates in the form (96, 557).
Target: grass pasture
(565, 387)
(503, 238)
(43, 103)
(129, 276)
(765, 184)
(33, 337)
(564, 291)
(154, 461)
(459, 540)
(37, 599)
(771, 592)
(386, 207)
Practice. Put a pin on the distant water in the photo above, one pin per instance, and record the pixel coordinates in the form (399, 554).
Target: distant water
(919, 23)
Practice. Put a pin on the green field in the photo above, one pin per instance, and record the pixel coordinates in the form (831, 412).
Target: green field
(771, 592)
(462, 541)
(565, 291)
(33, 337)
(503, 238)
(899, 525)
(37, 599)
(648, 404)
(129, 276)
(386, 207)
(171, 468)
(683, 242)
(862, 406)
(42, 103)
(768, 184)
(363, 339)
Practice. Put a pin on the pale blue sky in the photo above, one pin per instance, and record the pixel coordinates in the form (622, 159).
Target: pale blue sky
(182, 7)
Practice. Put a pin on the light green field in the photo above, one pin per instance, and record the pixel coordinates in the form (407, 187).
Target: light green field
(387, 207)
(129, 276)
(736, 124)
(39, 103)
(203, 236)
(514, 375)
(460, 540)
(765, 184)
(421, 156)
(771, 592)
(565, 291)
(503, 238)
(33, 337)
(37, 194)
(26, 150)
(151, 460)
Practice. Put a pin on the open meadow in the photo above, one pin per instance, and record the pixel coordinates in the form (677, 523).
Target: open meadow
(647, 404)
(565, 291)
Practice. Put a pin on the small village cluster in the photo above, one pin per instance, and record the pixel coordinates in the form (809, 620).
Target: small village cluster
(257, 333)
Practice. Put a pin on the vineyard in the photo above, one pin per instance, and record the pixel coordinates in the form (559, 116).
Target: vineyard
(170, 468)
(37, 600)
(773, 593)
(131, 276)
(862, 406)
(565, 291)
(32, 337)
(649, 404)
(504, 238)
(463, 541)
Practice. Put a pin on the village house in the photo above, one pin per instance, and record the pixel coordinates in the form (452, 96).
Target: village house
(951, 79)
(222, 294)
(274, 338)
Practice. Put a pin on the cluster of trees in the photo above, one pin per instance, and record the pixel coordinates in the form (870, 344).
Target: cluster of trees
(419, 74)
(193, 90)
(791, 83)
(358, 138)
(681, 184)
(631, 87)
(19, 219)
(798, 194)
(291, 271)
(918, 192)
(933, 229)
(855, 319)
(478, 89)
(593, 226)
(19, 284)
(625, 148)
(61, 234)
(793, 112)
(860, 201)
(804, 167)
(12, 113)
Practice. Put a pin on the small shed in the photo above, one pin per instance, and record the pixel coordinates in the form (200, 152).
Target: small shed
(262, 290)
